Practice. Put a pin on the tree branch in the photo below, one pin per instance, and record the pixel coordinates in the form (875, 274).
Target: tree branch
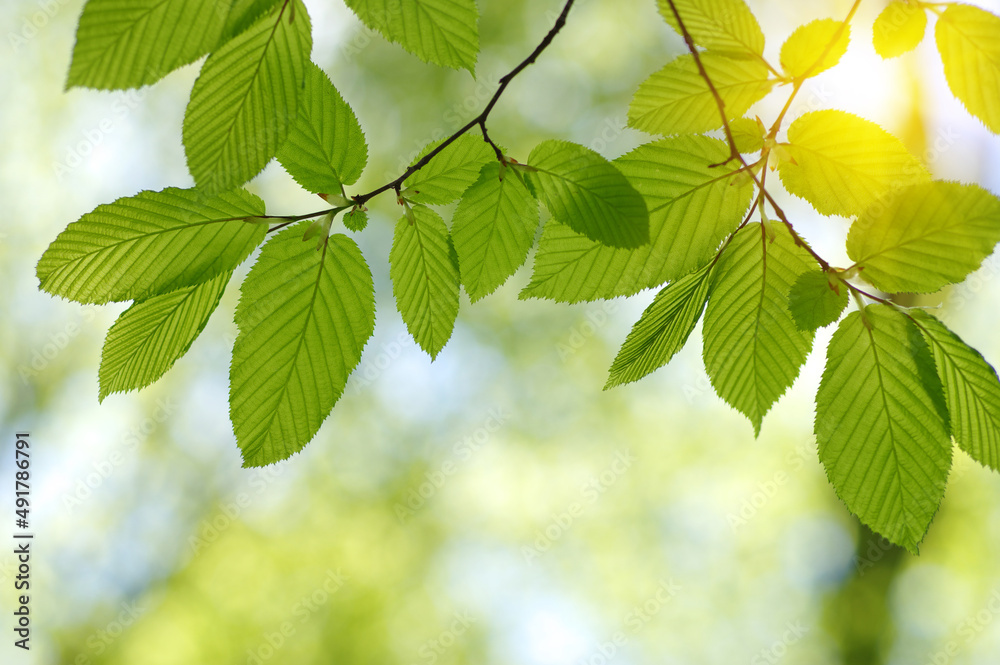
(479, 120)
(734, 152)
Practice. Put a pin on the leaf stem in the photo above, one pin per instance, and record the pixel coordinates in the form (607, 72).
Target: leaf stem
(799, 81)
(861, 292)
(291, 219)
(734, 153)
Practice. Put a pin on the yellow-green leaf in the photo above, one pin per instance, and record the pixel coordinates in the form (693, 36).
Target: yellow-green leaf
(304, 318)
(723, 26)
(748, 134)
(842, 164)
(662, 330)
(676, 99)
(898, 29)
(325, 148)
(425, 278)
(971, 389)
(246, 98)
(817, 299)
(493, 229)
(928, 236)
(882, 424)
(969, 41)
(814, 47)
(753, 350)
(450, 172)
(444, 32)
(129, 43)
(149, 337)
(151, 243)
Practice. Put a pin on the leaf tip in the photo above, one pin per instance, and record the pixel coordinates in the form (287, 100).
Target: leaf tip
(248, 464)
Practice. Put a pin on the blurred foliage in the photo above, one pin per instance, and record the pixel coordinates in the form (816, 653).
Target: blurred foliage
(641, 525)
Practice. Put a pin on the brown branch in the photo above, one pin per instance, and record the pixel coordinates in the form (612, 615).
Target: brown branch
(733, 151)
(479, 120)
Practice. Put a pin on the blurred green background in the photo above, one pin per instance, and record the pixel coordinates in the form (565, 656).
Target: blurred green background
(494, 507)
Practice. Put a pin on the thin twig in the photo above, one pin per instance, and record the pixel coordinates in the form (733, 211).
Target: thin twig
(734, 153)
(799, 240)
(870, 296)
(799, 81)
(479, 120)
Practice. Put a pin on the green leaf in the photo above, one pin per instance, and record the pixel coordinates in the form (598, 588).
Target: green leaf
(817, 299)
(724, 26)
(928, 236)
(450, 172)
(356, 219)
(881, 424)
(129, 43)
(325, 148)
(752, 348)
(152, 334)
(444, 32)
(587, 193)
(319, 228)
(662, 330)
(898, 29)
(748, 134)
(814, 47)
(971, 390)
(970, 50)
(304, 318)
(676, 99)
(493, 229)
(692, 208)
(842, 164)
(245, 100)
(425, 278)
(244, 13)
(149, 244)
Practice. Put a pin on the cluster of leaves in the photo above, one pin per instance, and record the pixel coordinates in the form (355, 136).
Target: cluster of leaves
(898, 385)
(677, 211)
